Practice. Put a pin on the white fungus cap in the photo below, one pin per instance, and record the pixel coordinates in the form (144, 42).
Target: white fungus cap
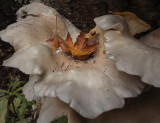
(152, 39)
(132, 56)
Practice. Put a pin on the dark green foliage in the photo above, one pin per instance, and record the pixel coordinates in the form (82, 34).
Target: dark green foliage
(62, 120)
(14, 108)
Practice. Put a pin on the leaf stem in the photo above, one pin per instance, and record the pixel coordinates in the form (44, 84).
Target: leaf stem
(70, 61)
(56, 24)
(14, 108)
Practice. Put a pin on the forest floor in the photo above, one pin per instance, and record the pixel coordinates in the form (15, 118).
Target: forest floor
(81, 13)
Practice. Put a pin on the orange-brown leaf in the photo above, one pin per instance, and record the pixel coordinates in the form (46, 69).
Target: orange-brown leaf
(92, 40)
(64, 48)
(80, 43)
(55, 42)
(85, 51)
(82, 47)
(68, 41)
(91, 33)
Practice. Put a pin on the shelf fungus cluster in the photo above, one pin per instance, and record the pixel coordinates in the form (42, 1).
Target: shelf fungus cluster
(82, 76)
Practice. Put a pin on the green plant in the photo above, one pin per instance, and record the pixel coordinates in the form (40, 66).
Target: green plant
(62, 120)
(14, 108)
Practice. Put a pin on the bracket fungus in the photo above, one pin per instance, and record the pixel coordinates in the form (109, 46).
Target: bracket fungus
(152, 39)
(143, 109)
(87, 88)
(131, 55)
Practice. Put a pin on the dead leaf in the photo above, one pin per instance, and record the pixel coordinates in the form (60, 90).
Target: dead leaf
(55, 42)
(92, 40)
(135, 24)
(81, 47)
(91, 33)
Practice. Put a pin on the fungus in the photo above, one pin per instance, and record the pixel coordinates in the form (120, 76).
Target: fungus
(152, 39)
(144, 108)
(54, 108)
(89, 87)
(131, 55)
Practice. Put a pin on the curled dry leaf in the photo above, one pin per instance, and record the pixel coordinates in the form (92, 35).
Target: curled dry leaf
(91, 33)
(135, 24)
